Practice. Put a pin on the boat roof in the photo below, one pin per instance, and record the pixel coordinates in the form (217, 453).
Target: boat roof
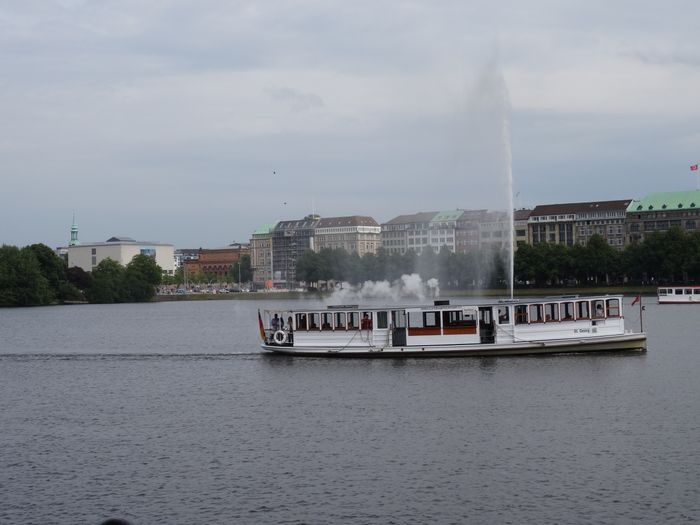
(446, 305)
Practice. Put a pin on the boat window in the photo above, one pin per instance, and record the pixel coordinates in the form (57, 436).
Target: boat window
(613, 308)
(696, 291)
(366, 322)
(598, 309)
(662, 291)
(582, 310)
(398, 318)
(567, 311)
(503, 315)
(431, 319)
(382, 320)
(457, 319)
(353, 320)
(551, 312)
(415, 319)
(340, 320)
(486, 316)
(301, 321)
(314, 321)
(536, 313)
(521, 314)
(678, 291)
(687, 291)
(327, 321)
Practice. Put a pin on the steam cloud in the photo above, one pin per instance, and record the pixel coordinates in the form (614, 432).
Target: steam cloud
(409, 285)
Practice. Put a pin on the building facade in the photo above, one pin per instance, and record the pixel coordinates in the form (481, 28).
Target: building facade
(407, 232)
(290, 239)
(494, 230)
(122, 250)
(521, 233)
(658, 212)
(576, 223)
(217, 261)
(261, 254)
(354, 234)
(460, 231)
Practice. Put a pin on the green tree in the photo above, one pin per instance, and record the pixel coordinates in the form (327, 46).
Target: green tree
(54, 269)
(107, 283)
(21, 280)
(79, 278)
(242, 270)
(308, 267)
(141, 277)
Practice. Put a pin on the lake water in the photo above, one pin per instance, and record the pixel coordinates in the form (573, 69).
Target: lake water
(167, 413)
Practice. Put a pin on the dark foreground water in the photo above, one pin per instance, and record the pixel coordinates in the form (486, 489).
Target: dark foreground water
(166, 413)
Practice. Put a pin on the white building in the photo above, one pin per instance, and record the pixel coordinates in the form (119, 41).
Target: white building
(354, 234)
(121, 250)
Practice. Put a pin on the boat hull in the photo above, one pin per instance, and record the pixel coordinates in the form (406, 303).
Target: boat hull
(613, 343)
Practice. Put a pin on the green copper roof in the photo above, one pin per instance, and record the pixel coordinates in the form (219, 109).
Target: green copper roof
(449, 215)
(673, 200)
(264, 229)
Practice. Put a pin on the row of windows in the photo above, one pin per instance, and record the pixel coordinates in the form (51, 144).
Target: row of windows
(568, 311)
(341, 321)
(661, 225)
(679, 291)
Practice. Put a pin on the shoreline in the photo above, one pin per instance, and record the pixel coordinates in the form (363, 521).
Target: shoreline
(446, 294)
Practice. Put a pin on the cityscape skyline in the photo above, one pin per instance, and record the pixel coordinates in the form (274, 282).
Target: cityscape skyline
(168, 123)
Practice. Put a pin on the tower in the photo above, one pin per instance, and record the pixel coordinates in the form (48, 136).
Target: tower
(74, 234)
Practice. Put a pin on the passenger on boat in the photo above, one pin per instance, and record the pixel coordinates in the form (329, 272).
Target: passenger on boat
(366, 323)
(301, 325)
(275, 323)
(289, 324)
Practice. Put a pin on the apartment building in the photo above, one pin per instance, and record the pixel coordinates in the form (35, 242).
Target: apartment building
(354, 234)
(575, 223)
(659, 212)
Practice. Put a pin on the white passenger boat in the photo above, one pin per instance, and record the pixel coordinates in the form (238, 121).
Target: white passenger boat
(678, 294)
(535, 326)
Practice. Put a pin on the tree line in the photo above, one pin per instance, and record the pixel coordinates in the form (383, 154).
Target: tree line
(35, 276)
(670, 257)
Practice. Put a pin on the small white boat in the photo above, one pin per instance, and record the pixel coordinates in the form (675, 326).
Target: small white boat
(535, 326)
(678, 294)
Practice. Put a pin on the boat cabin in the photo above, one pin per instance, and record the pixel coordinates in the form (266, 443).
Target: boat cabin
(679, 294)
(346, 326)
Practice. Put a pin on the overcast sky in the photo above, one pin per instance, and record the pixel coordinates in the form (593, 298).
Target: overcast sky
(196, 122)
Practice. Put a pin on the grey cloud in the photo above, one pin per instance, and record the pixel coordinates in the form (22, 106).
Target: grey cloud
(689, 58)
(296, 100)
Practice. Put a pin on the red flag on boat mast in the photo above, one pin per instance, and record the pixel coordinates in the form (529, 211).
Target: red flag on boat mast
(636, 299)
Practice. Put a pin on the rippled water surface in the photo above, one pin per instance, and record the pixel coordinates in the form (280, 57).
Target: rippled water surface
(167, 413)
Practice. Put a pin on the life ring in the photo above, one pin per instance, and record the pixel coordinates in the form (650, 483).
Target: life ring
(280, 337)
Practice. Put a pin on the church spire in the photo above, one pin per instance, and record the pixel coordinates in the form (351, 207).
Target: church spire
(74, 234)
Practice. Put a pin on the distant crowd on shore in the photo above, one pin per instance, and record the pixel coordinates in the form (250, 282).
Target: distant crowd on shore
(210, 288)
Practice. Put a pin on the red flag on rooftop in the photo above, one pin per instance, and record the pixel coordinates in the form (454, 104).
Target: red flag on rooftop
(694, 167)
(637, 299)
